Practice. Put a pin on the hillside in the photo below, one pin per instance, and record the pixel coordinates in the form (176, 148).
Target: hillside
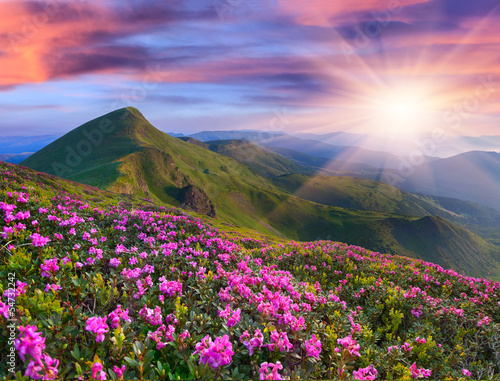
(104, 286)
(133, 157)
(357, 193)
(260, 161)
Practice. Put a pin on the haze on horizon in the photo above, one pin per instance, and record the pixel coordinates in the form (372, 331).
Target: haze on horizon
(395, 68)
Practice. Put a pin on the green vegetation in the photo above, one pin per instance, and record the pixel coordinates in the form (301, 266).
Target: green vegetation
(97, 285)
(135, 158)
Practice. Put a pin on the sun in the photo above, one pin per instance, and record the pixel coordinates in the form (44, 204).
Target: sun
(401, 112)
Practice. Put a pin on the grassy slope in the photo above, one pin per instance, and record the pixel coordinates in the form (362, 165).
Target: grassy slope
(356, 193)
(138, 159)
(260, 161)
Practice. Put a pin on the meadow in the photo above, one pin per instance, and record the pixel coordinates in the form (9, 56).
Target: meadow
(99, 285)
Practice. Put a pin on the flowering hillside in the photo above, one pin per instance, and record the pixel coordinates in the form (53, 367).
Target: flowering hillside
(95, 288)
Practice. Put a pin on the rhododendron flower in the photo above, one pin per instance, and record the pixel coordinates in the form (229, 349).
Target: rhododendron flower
(484, 321)
(184, 335)
(269, 371)
(162, 332)
(406, 347)
(98, 326)
(232, 317)
(416, 312)
(368, 373)
(313, 347)
(153, 317)
(416, 372)
(97, 368)
(49, 267)
(118, 314)
(115, 262)
(35, 367)
(30, 342)
(4, 310)
(279, 340)
(119, 371)
(170, 288)
(215, 353)
(54, 287)
(350, 344)
(38, 240)
(255, 342)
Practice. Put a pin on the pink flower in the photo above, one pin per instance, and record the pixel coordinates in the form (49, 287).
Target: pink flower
(215, 353)
(255, 342)
(118, 314)
(49, 267)
(119, 371)
(152, 317)
(35, 367)
(98, 326)
(54, 287)
(313, 347)
(38, 240)
(30, 342)
(416, 312)
(350, 344)
(279, 340)
(184, 335)
(97, 367)
(416, 373)
(232, 317)
(368, 373)
(269, 371)
(4, 310)
(466, 372)
(170, 288)
(406, 347)
(115, 262)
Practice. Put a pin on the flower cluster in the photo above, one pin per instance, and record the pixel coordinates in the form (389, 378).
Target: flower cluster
(232, 317)
(98, 326)
(313, 347)
(215, 353)
(31, 342)
(269, 371)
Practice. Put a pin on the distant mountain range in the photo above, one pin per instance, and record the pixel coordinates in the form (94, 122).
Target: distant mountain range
(23, 144)
(248, 185)
(472, 176)
(15, 158)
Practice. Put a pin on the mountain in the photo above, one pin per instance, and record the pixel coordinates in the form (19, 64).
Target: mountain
(255, 135)
(123, 152)
(461, 144)
(362, 194)
(15, 158)
(380, 160)
(254, 156)
(472, 176)
(23, 144)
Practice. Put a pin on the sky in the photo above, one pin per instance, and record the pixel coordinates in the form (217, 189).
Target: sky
(393, 68)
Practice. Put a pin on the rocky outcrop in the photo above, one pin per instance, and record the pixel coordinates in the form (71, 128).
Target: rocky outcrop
(195, 199)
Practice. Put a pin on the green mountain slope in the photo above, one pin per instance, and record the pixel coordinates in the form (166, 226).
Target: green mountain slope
(126, 154)
(260, 161)
(356, 193)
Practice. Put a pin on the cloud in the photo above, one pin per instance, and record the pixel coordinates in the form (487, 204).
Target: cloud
(50, 39)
